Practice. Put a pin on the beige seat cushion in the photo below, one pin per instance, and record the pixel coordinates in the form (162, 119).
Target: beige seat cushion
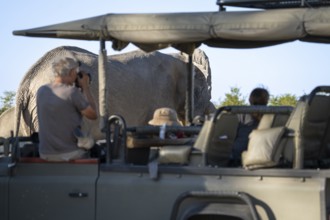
(266, 121)
(174, 154)
(263, 148)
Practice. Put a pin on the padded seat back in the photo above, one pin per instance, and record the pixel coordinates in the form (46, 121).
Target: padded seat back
(222, 136)
(217, 137)
(273, 120)
(134, 155)
(315, 126)
(266, 143)
(308, 128)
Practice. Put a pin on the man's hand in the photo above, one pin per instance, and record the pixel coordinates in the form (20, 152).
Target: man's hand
(83, 80)
(90, 112)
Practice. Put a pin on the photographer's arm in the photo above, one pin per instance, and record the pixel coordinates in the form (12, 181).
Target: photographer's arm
(90, 112)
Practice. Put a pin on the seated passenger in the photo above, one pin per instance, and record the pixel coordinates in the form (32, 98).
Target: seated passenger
(166, 116)
(247, 122)
(60, 107)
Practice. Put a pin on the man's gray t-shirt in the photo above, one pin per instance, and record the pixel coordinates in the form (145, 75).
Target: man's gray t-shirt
(58, 108)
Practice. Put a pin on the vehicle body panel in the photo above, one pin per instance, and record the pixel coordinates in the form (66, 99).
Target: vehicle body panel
(153, 199)
(4, 184)
(37, 189)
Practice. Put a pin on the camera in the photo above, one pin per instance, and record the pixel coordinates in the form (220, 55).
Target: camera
(80, 75)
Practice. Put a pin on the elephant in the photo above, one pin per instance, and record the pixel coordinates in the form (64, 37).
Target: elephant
(7, 124)
(137, 84)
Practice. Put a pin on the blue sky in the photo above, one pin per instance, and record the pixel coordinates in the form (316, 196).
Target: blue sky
(294, 68)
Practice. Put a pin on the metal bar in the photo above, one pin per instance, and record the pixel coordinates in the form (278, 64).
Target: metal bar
(148, 129)
(254, 109)
(103, 110)
(102, 85)
(220, 197)
(189, 114)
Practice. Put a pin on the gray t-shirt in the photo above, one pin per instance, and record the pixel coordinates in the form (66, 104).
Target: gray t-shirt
(58, 108)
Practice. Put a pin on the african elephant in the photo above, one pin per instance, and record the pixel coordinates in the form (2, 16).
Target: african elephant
(7, 124)
(138, 83)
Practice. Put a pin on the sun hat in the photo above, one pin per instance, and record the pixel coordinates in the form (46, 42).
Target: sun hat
(166, 116)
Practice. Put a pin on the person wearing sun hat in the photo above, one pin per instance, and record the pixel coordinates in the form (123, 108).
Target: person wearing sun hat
(166, 116)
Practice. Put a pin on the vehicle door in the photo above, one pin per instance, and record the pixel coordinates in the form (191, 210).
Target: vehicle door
(4, 179)
(45, 190)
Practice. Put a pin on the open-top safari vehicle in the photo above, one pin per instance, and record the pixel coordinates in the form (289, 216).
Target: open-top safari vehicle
(285, 171)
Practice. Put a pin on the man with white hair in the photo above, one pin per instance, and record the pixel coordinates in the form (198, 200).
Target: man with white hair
(60, 107)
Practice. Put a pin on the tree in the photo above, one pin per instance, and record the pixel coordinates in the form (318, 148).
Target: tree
(233, 98)
(7, 100)
(285, 99)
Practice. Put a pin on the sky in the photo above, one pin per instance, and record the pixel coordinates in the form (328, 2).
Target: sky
(294, 68)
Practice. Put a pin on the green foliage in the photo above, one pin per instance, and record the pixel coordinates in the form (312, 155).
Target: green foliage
(234, 97)
(285, 99)
(7, 100)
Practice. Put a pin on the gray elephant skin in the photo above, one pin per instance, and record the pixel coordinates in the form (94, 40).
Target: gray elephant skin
(7, 124)
(137, 84)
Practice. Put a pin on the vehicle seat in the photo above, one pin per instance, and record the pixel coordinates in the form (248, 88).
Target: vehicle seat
(136, 155)
(29, 150)
(217, 136)
(273, 120)
(308, 137)
(304, 141)
(29, 145)
(216, 139)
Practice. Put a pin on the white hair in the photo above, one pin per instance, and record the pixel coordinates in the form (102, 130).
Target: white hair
(62, 66)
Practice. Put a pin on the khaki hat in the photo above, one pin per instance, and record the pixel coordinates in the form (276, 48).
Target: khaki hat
(166, 116)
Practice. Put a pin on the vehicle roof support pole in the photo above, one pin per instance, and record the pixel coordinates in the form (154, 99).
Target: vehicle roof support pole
(102, 86)
(298, 156)
(190, 92)
(103, 110)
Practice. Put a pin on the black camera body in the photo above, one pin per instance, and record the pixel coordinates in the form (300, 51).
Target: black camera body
(80, 75)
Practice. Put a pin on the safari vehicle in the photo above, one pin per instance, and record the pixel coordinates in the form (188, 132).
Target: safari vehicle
(284, 173)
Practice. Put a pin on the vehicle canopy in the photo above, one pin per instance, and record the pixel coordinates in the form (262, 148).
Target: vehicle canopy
(185, 31)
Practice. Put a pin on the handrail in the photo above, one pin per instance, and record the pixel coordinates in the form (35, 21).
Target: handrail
(215, 197)
(113, 144)
(154, 130)
(272, 4)
(318, 89)
(40, 160)
(254, 109)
